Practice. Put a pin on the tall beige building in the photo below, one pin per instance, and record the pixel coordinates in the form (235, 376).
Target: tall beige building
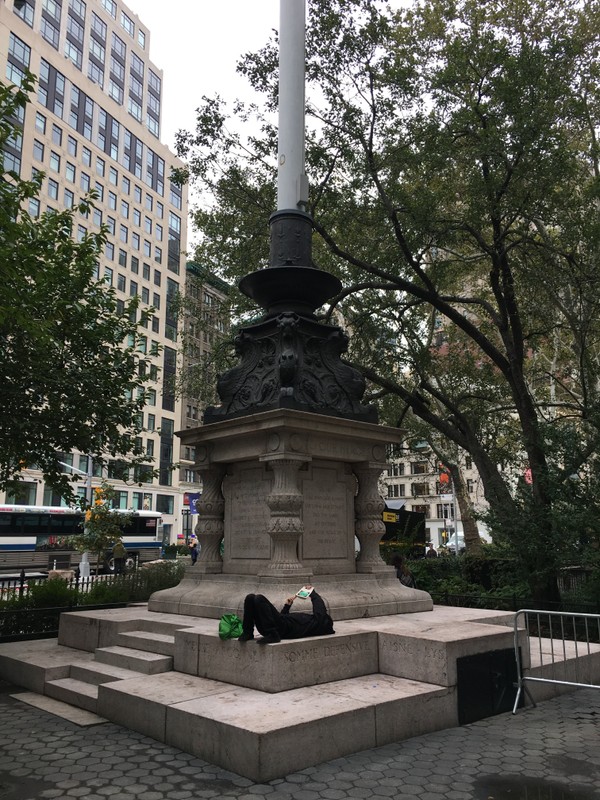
(94, 123)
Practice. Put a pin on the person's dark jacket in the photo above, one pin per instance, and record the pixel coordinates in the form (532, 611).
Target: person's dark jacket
(298, 624)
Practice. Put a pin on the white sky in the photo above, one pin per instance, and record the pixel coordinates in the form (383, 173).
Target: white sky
(197, 44)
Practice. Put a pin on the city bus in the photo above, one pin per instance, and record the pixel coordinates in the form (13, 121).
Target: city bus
(39, 538)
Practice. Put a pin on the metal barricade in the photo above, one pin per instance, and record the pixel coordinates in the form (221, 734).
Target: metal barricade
(556, 639)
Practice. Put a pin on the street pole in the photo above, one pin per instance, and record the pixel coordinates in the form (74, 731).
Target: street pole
(292, 183)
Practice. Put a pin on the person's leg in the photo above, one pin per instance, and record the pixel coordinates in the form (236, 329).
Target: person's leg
(249, 619)
(267, 619)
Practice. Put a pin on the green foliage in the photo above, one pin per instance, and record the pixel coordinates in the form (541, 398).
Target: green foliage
(174, 550)
(102, 527)
(72, 377)
(133, 587)
(452, 153)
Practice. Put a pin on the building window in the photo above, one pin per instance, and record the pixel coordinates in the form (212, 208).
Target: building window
(115, 91)
(123, 233)
(121, 283)
(419, 468)
(122, 258)
(54, 161)
(164, 503)
(419, 489)
(49, 32)
(445, 511)
(111, 7)
(52, 189)
(38, 150)
(137, 65)
(70, 172)
(141, 39)
(135, 241)
(25, 11)
(125, 209)
(86, 156)
(127, 23)
(99, 26)
(74, 53)
(96, 74)
(69, 198)
(34, 207)
(112, 201)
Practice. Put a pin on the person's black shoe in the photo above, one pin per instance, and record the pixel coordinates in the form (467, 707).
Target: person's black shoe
(270, 638)
(245, 637)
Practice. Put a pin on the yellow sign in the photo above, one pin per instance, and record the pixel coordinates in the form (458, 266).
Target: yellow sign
(388, 516)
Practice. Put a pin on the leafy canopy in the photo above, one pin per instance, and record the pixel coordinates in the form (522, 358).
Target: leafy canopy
(453, 159)
(72, 377)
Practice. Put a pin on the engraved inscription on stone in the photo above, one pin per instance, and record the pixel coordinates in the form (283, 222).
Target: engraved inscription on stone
(325, 514)
(247, 513)
(337, 651)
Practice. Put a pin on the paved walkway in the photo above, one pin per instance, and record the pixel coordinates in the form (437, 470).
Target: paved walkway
(551, 752)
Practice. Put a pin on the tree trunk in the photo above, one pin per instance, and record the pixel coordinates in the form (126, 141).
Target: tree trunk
(470, 531)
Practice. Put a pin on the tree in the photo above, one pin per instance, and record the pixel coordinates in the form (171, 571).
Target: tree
(72, 377)
(454, 166)
(102, 527)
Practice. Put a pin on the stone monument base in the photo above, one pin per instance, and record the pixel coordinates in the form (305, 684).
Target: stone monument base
(347, 596)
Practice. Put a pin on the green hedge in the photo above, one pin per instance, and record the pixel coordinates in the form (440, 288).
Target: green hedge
(130, 587)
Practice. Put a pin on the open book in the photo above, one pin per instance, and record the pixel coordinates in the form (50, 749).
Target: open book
(304, 592)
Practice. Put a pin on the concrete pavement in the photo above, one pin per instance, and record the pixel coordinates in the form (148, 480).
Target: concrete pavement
(551, 752)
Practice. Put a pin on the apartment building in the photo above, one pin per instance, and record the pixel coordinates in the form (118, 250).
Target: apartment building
(94, 123)
(206, 321)
(416, 481)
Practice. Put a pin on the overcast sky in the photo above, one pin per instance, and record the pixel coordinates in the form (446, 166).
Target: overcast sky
(197, 43)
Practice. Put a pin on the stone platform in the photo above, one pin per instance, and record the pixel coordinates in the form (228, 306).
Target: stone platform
(349, 596)
(263, 711)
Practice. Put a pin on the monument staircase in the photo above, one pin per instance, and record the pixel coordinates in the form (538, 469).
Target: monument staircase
(265, 710)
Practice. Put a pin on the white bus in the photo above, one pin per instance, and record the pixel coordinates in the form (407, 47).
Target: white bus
(39, 538)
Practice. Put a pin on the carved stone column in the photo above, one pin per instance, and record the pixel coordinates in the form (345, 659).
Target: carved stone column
(369, 507)
(285, 525)
(210, 527)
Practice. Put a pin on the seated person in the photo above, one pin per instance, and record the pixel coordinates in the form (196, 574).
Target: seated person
(275, 626)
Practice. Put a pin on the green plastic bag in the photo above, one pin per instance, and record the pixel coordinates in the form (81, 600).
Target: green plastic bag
(230, 626)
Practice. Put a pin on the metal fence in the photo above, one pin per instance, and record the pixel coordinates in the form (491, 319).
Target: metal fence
(14, 587)
(558, 643)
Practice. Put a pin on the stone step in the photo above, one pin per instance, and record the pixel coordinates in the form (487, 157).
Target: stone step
(148, 641)
(275, 734)
(162, 626)
(75, 692)
(98, 673)
(132, 659)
